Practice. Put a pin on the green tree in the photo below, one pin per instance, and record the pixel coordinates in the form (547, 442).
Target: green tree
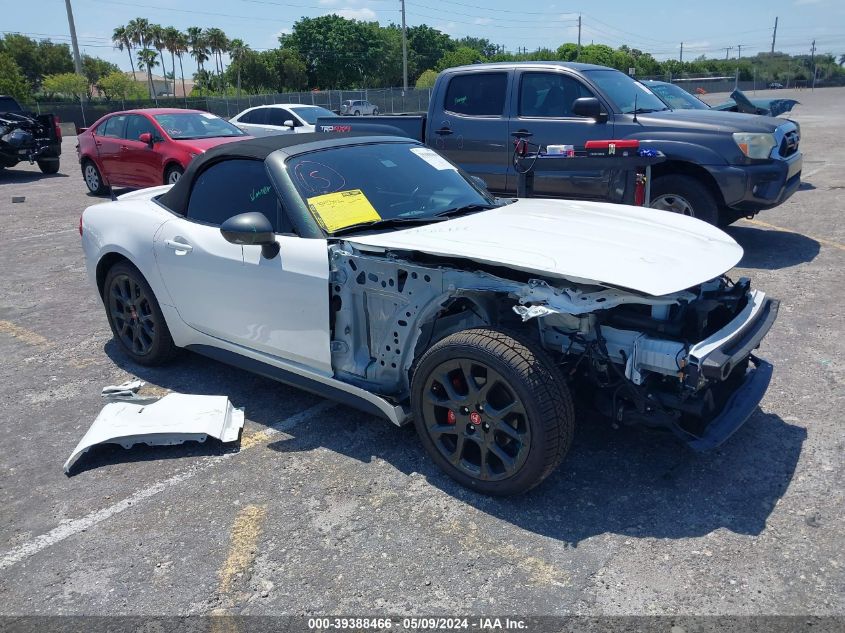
(147, 61)
(237, 52)
(36, 59)
(93, 68)
(425, 48)
(12, 80)
(484, 46)
(156, 40)
(138, 30)
(120, 86)
(198, 45)
(426, 79)
(180, 48)
(66, 84)
(218, 44)
(120, 38)
(459, 57)
(170, 39)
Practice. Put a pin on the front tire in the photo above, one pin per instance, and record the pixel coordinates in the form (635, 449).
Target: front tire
(684, 195)
(492, 411)
(49, 166)
(173, 174)
(93, 178)
(135, 317)
(375, 111)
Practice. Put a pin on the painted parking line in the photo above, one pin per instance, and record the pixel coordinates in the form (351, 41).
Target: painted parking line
(243, 546)
(75, 526)
(22, 334)
(774, 227)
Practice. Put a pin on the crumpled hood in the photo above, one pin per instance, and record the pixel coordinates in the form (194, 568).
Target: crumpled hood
(648, 251)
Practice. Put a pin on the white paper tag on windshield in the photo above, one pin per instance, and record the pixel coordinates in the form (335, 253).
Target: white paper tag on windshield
(207, 115)
(433, 158)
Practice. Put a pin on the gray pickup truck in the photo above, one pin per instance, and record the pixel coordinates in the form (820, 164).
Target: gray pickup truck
(721, 165)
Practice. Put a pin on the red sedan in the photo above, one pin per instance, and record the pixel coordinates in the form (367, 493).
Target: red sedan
(146, 148)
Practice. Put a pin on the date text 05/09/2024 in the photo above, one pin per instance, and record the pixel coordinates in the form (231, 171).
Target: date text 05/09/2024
(417, 624)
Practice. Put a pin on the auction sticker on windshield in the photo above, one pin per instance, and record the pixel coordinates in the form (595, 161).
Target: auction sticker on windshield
(335, 211)
(433, 158)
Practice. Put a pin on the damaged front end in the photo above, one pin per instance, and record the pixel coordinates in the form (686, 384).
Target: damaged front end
(681, 361)
(23, 137)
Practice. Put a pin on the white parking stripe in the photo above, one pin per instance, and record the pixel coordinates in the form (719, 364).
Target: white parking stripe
(75, 526)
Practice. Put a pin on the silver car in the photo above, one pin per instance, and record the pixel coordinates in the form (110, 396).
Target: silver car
(358, 107)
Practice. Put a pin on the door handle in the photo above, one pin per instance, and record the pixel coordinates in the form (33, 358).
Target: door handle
(444, 131)
(124, 148)
(178, 246)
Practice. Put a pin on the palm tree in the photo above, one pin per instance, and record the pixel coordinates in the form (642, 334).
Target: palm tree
(147, 60)
(170, 36)
(198, 45)
(138, 30)
(237, 52)
(120, 38)
(156, 40)
(180, 48)
(218, 43)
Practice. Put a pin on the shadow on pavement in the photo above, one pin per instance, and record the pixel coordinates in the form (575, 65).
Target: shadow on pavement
(628, 481)
(772, 250)
(12, 175)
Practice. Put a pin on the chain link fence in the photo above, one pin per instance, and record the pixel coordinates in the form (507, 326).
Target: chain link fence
(387, 100)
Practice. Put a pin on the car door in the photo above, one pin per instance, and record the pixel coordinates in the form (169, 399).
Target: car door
(108, 137)
(278, 306)
(542, 105)
(473, 129)
(140, 164)
(276, 118)
(252, 122)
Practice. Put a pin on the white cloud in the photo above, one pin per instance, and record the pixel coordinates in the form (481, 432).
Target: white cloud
(448, 28)
(328, 3)
(364, 13)
(801, 2)
(482, 21)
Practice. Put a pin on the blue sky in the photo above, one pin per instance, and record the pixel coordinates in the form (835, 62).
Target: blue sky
(658, 26)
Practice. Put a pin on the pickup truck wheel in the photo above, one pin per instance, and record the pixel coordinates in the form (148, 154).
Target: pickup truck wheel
(684, 195)
(135, 317)
(93, 179)
(173, 174)
(492, 411)
(357, 113)
(375, 111)
(48, 166)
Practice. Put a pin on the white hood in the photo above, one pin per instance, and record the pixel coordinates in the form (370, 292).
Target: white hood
(648, 251)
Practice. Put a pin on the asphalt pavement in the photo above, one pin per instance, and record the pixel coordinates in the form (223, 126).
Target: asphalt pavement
(325, 510)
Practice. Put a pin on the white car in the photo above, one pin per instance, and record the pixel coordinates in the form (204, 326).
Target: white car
(374, 271)
(280, 118)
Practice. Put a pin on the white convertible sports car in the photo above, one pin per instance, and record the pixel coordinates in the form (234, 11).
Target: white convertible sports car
(374, 271)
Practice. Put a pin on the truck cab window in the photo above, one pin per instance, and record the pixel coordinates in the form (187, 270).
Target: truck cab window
(477, 94)
(549, 94)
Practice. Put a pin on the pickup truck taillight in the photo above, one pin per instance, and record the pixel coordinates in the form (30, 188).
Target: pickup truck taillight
(57, 123)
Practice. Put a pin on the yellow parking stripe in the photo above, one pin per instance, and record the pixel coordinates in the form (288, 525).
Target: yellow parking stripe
(820, 240)
(22, 334)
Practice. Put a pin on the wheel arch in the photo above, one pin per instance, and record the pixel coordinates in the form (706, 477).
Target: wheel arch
(684, 168)
(105, 264)
(170, 162)
(90, 159)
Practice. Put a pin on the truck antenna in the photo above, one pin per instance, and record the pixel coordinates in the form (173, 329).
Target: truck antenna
(635, 107)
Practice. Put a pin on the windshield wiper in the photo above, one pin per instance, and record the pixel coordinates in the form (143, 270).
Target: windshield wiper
(387, 223)
(464, 210)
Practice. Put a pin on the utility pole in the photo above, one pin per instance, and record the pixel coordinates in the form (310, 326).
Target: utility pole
(77, 60)
(682, 52)
(774, 35)
(728, 49)
(404, 52)
(813, 53)
(739, 51)
(578, 53)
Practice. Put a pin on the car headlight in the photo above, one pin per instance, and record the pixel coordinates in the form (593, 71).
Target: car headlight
(755, 145)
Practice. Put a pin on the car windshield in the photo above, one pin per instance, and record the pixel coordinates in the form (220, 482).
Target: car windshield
(192, 125)
(7, 104)
(626, 93)
(360, 187)
(677, 98)
(309, 114)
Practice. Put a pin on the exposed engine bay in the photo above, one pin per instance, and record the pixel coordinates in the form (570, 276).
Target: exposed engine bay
(680, 361)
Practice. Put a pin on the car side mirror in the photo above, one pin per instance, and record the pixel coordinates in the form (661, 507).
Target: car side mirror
(588, 107)
(251, 229)
(147, 138)
(289, 123)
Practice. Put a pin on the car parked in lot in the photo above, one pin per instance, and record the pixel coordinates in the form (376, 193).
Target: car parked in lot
(27, 136)
(679, 99)
(374, 271)
(145, 148)
(280, 118)
(358, 107)
(720, 166)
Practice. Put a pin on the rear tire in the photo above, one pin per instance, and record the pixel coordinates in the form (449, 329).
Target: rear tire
(375, 111)
(357, 113)
(492, 411)
(135, 318)
(49, 166)
(685, 195)
(173, 174)
(93, 178)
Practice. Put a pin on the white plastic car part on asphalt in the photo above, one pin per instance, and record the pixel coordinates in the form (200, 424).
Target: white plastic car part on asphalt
(174, 419)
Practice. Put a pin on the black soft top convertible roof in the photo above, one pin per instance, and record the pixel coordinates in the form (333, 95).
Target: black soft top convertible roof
(176, 199)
